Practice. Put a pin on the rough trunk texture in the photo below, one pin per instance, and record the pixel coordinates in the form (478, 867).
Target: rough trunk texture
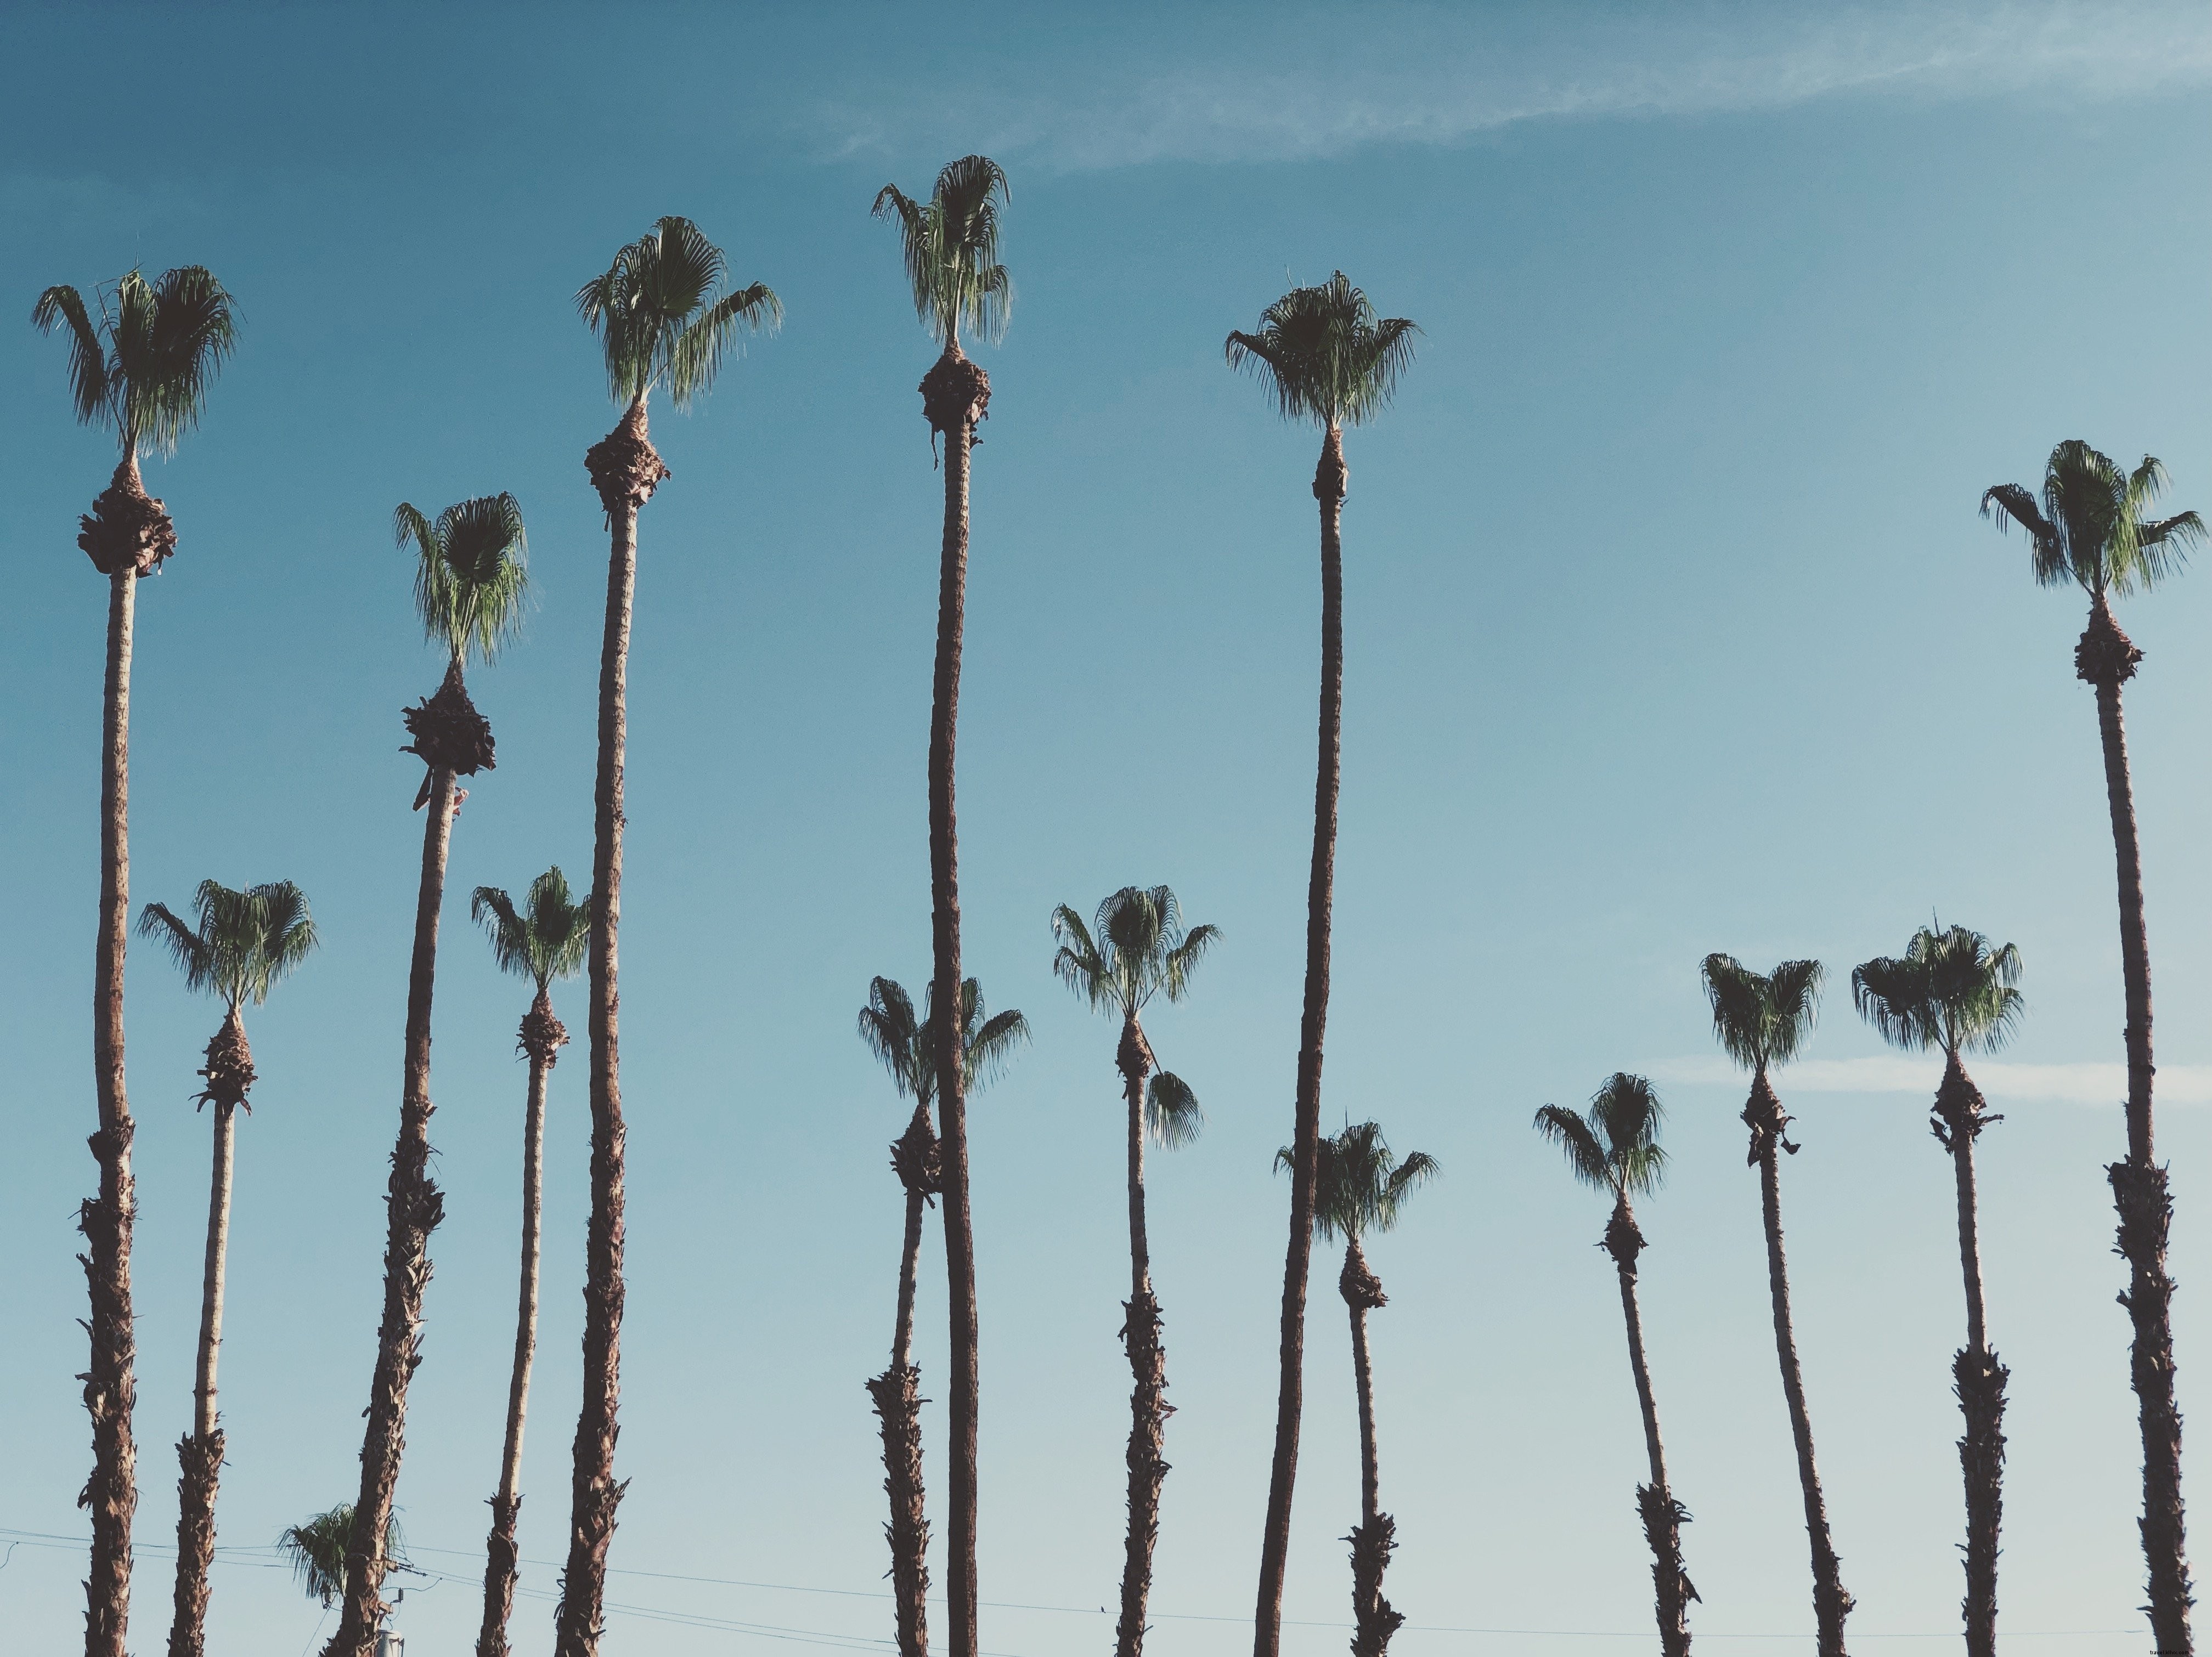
(2105, 659)
(1831, 1603)
(413, 1206)
(199, 1460)
(1329, 488)
(1663, 1516)
(1957, 1119)
(1149, 1408)
(111, 1494)
(897, 1393)
(1373, 1538)
(625, 470)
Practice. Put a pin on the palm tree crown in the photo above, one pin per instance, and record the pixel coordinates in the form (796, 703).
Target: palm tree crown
(952, 245)
(472, 571)
(543, 941)
(1358, 1186)
(143, 366)
(1325, 355)
(662, 318)
(907, 1045)
(1948, 990)
(316, 1550)
(1140, 950)
(1614, 1146)
(2090, 528)
(244, 942)
(1766, 1020)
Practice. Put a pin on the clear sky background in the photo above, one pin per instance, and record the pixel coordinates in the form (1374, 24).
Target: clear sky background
(1670, 628)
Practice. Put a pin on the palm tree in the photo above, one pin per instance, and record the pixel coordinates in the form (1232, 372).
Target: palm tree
(543, 941)
(1614, 1148)
(471, 576)
(141, 369)
(1950, 990)
(662, 320)
(1761, 1022)
(1358, 1187)
(2091, 530)
(244, 942)
(316, 1551)
(952, 248)
(907, 1047)
(1324, 356)
(1140, 950)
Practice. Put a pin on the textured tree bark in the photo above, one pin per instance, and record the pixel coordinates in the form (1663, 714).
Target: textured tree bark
(2105, 659)
(1149, 1408)
(1662, 1515)
(414, 1206)
(1957, 1119)
(111, 1384)
(1374, 1619)
(1329, 488)
(897, 1395)
(199, 1454)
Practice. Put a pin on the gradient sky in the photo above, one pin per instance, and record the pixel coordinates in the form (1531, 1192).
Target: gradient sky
(1670, 628)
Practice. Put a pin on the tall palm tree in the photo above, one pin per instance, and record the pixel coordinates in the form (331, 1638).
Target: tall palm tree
(2091, 529)
(663, 321)
(470, 578)
(316, 1550)
(1358, 1187)
(1761, 1022)
(1324, 355)
(142, 368)
(1614, 1148)
(541, 941)
(1950, 990)
(905, 1045)
(242, 943)
(952, 248)
(1140, 950)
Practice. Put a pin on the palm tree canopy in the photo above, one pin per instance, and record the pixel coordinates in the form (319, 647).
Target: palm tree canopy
(1136, 949)
(244, 941)
(1358, 1186)
(473, 571)
(316, 1550)
(143, 366)
(1613, 1146)
(662, 318)
(2090, 527)
(951, 247)
(1324, 355)
(544, 939)
(1763, 1021)
(1950, 990)
(907, 1046)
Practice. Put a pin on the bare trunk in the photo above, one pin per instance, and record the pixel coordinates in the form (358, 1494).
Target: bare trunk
(897, 1395)
(1958, 1118)
(414, 1206)
(199, 1454)
(1663, 1516)
(1374, 1619)
(1149, 1408)
(1328, 488)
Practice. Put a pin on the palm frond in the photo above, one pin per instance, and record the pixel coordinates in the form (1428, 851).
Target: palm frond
(244, 942)
(471, 573)
(950, 248)
(190, 332)
(991, 1044)
(1948, 990)
(660, 315)
(1585, 1157)
(1614, 1146)
(1358, 1186)
(1324, 355)
(887, 1026)
(1077, 962)
(1761, 1021)
(194, 956)
(316, 1551)
(1134, 950)
(1172, 1115)
(2017, 506)
(696, 356)
(90, 391)
(559, 927)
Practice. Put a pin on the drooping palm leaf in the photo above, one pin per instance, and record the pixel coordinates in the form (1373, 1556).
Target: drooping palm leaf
(661, 317)
(1324, 355)
(471, 573)
(1172, 1115)
(1950, 990)
(2090, 528)
(950, 246)
(1614, 1145)
(1762, 1020)
(145, 366)
(316, 1551)
(544, 941)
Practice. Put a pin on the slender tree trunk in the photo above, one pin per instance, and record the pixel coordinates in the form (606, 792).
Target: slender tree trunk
(414, 1206)
(1329, 488)
(1374, 1619)
(1979, 1378)
(1149, 1408)
(2105, 659)
(199, 1454)
(111, 1383)
(897, 1395)
(1663, 1516)
(1831, 1603)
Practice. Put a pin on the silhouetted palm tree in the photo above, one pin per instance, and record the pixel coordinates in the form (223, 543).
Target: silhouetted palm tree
(316, 1551)
(952, 249)
(2091, 530)
(1614, 1148)
(142, 368)
(543, 941)
(1140, 950)
(1325, 356)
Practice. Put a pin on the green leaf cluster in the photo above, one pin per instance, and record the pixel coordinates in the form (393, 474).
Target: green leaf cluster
(1325, 356)
(1763, 1020)
(143, 366)
(471, 574)
(2090, 528)
(1950, 990)
(1613, 1146)
(907, 1045)
(952, 246)
(661, 316)
(1358, 1186)
(543, 941)
(243, 942)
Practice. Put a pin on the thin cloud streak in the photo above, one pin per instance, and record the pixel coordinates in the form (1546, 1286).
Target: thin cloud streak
(2069, 1083)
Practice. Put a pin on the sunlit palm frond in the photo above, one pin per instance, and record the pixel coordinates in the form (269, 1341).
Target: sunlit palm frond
(660, 315)
(950, 247)
(1077, 962)
(1172, 1115)
(991, 1043)
(244, 941)
(1950, 990)
(471, 573)
(545, 939)
(1324, 355)
(2091, 528)
(193, 955)
(1762, 1020)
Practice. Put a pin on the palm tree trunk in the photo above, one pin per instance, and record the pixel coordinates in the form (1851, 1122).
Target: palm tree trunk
(2105, 659)
(1329, 482)
(1374, 1538)
(200, 1454)
(111, 1386)
(1148, 1367)
(1979, 1379)
(414, 1206)
(897, 1395)
(1663, 1516)
(1831, 1603)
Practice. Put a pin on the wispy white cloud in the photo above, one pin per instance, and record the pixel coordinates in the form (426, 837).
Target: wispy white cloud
(2075, 1084)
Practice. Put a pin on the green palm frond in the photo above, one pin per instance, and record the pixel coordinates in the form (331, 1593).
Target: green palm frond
(991, 1043)
(544, 941)
(662, 317)
(1136, 949)
(950, 248)
(245, 941)
(317, 1551)
(1358, 1186)
(2091, 527)
(88, 385)
(471, 574)
(1762, 1021)
(1578, 1142)
(1324, 355)
(1950, 990)
(907, 1046)
(889, 1027)
(145, 366)
(1172, 1115)
(1614, 1145)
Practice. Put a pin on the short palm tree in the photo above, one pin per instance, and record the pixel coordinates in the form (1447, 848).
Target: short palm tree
(541, 941)
(1613, 1147)
(2091, 528)
(141, 367)
(1360, 1187)
(1325, 356)
(241, 944)
(316, 1550)
(1761, 1022)
(1950, 990)
(1139, 949)
(951, 250)
(471, 578)
(906, 1045)
(663, 321)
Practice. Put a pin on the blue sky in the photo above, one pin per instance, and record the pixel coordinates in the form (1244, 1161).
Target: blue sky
(1671, 627)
